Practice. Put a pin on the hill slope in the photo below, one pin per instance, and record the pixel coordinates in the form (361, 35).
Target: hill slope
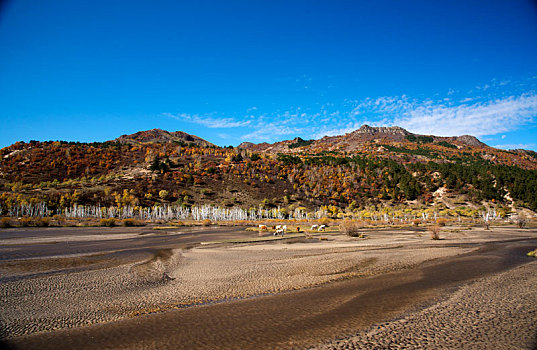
(379, 167)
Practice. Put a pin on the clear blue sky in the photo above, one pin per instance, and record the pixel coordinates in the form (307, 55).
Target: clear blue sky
(233, 71)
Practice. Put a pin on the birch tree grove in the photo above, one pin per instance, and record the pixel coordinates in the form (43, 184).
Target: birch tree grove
(177, 212)
(221, 214)
(30, 210)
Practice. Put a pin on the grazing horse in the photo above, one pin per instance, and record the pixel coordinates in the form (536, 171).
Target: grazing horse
(314, 227)
(263, 227)
(322, 228)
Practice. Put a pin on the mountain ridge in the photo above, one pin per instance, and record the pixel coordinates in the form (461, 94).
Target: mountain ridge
(351, 141)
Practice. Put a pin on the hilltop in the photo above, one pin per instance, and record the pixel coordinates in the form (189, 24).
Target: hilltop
(162, 136)
(371, 167)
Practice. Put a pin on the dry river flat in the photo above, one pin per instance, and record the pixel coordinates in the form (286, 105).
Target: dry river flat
(228, 288)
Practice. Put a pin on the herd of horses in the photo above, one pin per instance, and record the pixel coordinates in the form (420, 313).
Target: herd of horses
(282, 229)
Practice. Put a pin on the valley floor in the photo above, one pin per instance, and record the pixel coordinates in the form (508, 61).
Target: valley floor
(130, 288)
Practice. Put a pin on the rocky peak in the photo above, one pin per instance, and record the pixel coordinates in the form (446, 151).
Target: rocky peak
(373, 130)
(470, 140)
(246, 145)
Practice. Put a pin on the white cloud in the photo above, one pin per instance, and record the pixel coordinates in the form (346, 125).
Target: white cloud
(208, 121)
(517, 146)
(450, 115)
(446, 118)
(467, 99)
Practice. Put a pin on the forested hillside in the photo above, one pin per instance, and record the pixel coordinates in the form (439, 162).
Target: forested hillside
(341, 174)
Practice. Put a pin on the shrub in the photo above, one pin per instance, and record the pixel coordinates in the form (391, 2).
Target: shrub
(206, 222)
(108, 222)
(5, 222)
(416, 222)
(132, 222)
(533, 253)
(435, 232)
(25, 222)
(42, 222)
(521, 220)
(58, 218)
(351, 228)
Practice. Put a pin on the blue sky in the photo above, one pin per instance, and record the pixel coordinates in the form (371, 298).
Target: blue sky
(234, 71)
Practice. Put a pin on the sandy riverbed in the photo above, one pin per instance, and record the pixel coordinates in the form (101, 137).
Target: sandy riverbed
(497, 312)
(175, 278)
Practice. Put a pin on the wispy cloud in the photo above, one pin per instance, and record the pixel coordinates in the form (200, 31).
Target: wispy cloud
(517, 146)
(443, 117)
(446, 118)
(209, 121)
(297, 122)
(271, 132)
(338, 130)
(497, 111)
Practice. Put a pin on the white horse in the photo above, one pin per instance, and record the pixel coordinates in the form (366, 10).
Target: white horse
(322, 228)
(314, 227)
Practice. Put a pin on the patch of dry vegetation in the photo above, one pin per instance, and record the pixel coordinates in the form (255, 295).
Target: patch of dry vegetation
(107, 222)
(521, 220)
(133, 222)
(351, 228)
(434, 231)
